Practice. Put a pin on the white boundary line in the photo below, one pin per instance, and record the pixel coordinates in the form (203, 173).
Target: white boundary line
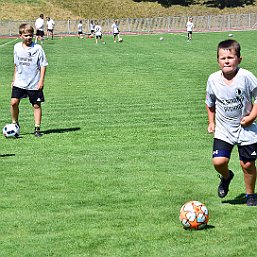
(9, 42)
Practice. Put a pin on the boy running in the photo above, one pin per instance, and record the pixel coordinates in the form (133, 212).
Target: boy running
(231, 103)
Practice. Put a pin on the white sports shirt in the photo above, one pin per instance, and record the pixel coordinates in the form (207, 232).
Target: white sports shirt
(28, 62)
(189, 26)
(232, 103)
(98, 30)
(80, 27)
(50, 24)
(39, 24)
(115, 28)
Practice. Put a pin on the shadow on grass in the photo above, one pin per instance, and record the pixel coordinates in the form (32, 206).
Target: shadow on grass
(209, 227)
(240, 199)
(60, 130)
(7, 155)
(55, 131)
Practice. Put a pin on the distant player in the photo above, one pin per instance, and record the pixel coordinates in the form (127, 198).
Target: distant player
(115, 31)
(92, 28)
(98, 34)
(189, 27)
(231, 103)
(50, 27)
(80, 29)
(29, 73)
(39, 25)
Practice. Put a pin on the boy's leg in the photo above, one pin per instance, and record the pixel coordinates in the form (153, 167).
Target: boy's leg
(221, 156)
(247, 162)
(249, 170)
(15, 109)
(37, 117)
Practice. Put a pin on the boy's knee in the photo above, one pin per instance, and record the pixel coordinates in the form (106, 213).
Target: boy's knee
(15, 102)
(220, 161)
(36, 106)
(248, 166)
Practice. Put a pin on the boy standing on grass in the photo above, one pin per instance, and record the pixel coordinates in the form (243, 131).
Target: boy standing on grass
(189, 27)
(231, 103)
(29, 74)
(39, 25)
(115, 31)
(50, 27)
(98, 34)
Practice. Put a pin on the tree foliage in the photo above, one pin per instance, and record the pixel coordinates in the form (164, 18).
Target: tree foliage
(210, 3)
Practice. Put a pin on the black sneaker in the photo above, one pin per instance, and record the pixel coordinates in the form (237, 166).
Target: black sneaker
(37, 132)
(251, 200)
(224, 184)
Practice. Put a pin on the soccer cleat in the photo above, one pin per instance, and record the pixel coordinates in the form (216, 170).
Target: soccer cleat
(224, 185)
(251, 200)
(37, 132)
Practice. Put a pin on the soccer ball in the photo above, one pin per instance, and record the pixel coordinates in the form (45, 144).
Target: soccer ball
(230, 35)
(161, 38)
(11, 131)
(120, 39)
(194, 215)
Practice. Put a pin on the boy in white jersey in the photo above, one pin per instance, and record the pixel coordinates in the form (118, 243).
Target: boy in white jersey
(231, 103)
(29, 74)
(98, 34)
(80, 29)
(189, 27)
(50, 27)
(39, 25)
(115, 31)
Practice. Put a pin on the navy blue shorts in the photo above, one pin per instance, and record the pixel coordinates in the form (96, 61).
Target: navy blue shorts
(224, 149)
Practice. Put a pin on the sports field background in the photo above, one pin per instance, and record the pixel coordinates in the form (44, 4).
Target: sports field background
(125, 146)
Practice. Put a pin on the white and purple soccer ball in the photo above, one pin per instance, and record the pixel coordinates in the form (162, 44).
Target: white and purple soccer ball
(11, 131)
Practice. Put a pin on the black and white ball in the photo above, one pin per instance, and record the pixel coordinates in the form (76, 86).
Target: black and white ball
(11, 131)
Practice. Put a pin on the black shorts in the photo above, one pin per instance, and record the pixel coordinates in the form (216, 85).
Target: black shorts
(40, 33)
(116, 34)
(224, 149)
(50, 30)
(35, 96)
(190, 32)
(80, 32)
(98, 36)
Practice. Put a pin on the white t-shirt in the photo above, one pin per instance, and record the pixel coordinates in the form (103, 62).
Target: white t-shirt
(98, 30)
(39, 24)
(92, 27)
(50, 24)
(28, 62)
(190, 26)
(115, 28)
(232, 103)
(80, 27)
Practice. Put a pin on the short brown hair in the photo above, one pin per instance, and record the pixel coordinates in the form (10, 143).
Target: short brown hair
(229, 44)
(25, 28)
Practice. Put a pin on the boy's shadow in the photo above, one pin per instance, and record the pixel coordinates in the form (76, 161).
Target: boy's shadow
(7, 155)
(240, 199)
(60, 130)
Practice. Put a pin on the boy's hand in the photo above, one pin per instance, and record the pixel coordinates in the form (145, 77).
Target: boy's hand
(40, 85)
(211, 127)
(246, 121)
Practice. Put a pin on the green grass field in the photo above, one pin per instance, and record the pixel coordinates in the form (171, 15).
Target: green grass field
(125, 146)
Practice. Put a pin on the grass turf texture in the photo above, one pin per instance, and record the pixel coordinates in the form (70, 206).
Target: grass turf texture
(125, 146)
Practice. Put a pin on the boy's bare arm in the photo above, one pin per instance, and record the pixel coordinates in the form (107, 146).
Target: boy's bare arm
(211, 118)
(40, 84)
(249, 119)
